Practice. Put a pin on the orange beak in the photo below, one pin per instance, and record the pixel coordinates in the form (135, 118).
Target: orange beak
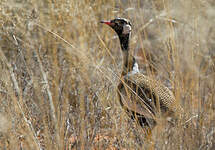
(108, 23)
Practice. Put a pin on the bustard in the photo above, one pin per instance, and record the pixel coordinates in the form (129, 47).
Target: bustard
(143, 98)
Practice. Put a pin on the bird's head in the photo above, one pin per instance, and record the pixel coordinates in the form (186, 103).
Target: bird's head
(121, 26)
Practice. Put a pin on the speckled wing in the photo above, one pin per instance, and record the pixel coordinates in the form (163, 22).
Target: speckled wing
(146, 94)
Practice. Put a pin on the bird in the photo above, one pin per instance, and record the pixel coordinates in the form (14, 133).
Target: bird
(143, 98)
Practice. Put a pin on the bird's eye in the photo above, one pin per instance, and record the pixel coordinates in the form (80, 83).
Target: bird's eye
(122, 23)
(118, 23)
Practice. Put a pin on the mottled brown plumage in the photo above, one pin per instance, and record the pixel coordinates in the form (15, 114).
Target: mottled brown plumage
(143, 98)
(143, 95)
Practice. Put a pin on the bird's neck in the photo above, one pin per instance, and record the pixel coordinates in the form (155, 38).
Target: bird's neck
(129, 62)
(124, 41)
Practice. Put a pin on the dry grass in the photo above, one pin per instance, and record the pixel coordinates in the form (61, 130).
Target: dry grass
(59, 70)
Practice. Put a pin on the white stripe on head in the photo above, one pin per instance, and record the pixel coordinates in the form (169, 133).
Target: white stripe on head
(126, 29)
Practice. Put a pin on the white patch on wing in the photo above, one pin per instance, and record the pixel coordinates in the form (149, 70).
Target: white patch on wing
(135, 69)
(126, 29)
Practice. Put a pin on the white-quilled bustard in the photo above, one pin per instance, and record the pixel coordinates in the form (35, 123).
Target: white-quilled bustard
(143, 98)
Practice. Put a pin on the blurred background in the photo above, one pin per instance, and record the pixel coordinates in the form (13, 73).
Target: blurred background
(59, 71)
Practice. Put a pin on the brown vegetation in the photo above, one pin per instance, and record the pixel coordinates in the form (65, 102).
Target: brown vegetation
(60, 68)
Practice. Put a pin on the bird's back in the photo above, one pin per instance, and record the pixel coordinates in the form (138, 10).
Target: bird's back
(141, 94)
